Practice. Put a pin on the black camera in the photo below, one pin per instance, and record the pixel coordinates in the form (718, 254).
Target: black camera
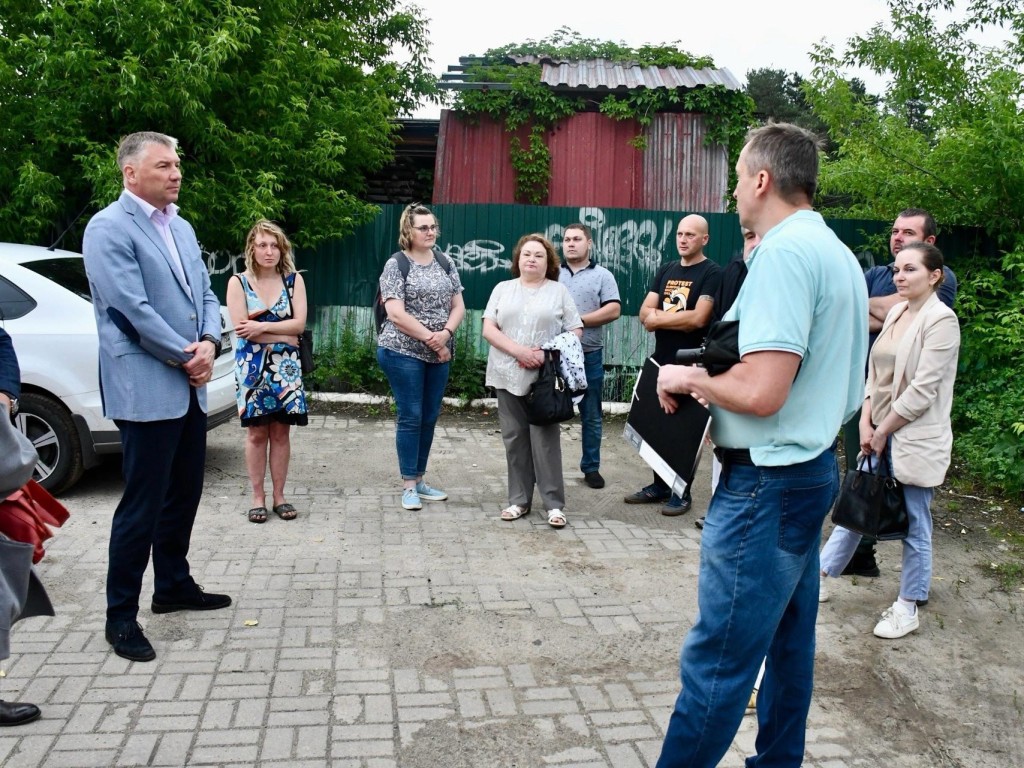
(720, 350)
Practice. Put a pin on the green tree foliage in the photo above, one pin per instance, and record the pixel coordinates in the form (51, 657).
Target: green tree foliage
(779, 96)
(281, 107)
(948, 136)
(531, 103)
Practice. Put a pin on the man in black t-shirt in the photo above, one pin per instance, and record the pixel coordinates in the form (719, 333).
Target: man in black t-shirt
(677, 311)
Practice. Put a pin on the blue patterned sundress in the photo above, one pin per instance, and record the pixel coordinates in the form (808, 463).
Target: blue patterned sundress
(268, 377)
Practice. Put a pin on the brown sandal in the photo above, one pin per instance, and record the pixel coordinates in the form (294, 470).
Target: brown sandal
(285, 511)
(258, 515)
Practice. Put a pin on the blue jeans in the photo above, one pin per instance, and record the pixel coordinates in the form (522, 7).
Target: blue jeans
(590, 411)
(418, 387)
(757, 598)
(916, 576)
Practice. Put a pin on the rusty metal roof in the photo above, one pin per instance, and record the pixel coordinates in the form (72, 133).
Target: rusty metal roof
(592, 74)
(597, 74)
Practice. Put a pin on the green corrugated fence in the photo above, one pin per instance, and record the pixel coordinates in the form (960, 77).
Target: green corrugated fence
(342, 275)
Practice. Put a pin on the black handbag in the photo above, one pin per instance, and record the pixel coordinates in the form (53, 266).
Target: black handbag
(306, 361)
(549, 400)
(872, 503)
(306, 352)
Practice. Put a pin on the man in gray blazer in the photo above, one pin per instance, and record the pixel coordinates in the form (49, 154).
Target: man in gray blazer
(159, 332)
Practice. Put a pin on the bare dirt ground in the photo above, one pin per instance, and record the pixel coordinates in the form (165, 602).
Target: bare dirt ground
(950, 695)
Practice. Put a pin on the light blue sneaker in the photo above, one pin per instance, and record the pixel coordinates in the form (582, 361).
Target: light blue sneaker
(427, 493)
(411, 499)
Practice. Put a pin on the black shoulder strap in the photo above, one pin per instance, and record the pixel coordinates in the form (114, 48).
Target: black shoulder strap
(403, 263)
(443, 260)
(288, 285)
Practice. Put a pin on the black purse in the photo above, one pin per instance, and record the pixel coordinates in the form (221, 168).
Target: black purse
(872, 504)
(306, 361)
(549, 400)
(306, 353)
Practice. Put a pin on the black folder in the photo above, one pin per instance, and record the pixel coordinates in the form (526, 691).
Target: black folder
(670, 443)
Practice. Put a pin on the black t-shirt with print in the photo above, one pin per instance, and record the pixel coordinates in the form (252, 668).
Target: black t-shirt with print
(680, 289)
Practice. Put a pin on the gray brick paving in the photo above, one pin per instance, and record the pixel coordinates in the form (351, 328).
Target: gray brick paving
(363, 636)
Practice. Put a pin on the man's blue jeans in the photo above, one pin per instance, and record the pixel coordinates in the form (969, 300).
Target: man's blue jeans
(757, 597)
(590, 411)
(418, 387)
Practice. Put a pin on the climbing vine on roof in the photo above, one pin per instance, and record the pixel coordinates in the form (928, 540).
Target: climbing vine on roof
(531, 103)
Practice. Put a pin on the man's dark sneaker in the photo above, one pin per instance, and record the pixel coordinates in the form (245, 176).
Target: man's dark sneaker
(593, 479)
(677, 506)
(862, 567)
(699, 523)
(197, 601)
(650, 494)
(128, 641)
(921, 603)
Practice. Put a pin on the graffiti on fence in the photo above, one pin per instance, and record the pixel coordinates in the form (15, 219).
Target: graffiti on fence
(480, 256)
(627, 246)
(224, 263)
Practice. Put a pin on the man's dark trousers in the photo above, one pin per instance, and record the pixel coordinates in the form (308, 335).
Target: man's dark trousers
(163, 475)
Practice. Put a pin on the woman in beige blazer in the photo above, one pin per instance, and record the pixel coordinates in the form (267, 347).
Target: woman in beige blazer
(908, 396)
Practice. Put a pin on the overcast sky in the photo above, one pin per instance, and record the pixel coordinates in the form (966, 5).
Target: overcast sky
(739, 35)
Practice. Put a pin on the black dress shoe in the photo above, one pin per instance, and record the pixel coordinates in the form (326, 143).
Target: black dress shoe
(128, 641)
(593, 479)
(13, 713)
(198, 601)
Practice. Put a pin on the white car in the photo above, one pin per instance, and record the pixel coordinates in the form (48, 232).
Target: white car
(46, 307)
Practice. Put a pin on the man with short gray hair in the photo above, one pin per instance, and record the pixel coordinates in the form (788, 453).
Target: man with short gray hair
(159, 332)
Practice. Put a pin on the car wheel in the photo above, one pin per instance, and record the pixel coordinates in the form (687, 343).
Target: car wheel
(47, 423)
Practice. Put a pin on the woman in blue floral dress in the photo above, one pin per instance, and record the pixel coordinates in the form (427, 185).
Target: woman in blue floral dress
(267, 304)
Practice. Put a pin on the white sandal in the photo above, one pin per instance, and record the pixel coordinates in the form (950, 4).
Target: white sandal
(556, 519)
(514, 512)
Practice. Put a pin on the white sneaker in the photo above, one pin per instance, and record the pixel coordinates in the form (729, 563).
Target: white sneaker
(896, 623)
(823, 594)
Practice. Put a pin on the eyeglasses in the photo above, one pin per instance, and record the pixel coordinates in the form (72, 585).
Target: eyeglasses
(428, 228)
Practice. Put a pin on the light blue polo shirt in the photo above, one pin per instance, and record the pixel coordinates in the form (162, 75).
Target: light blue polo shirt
(805, 294)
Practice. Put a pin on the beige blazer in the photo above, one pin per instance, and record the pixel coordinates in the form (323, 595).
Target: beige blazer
(922, 392)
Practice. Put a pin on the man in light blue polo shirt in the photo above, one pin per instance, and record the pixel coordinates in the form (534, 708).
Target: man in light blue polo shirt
(802, 315)
(596, 294)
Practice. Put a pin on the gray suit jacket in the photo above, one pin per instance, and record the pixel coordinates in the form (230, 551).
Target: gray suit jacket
(145, 314)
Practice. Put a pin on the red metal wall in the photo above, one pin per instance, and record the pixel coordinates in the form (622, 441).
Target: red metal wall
(472, 164)
(592, 164)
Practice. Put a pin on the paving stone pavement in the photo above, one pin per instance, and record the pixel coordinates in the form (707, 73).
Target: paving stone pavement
(365, 636)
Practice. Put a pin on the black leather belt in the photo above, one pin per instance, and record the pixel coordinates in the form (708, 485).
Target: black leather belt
(740, 456)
